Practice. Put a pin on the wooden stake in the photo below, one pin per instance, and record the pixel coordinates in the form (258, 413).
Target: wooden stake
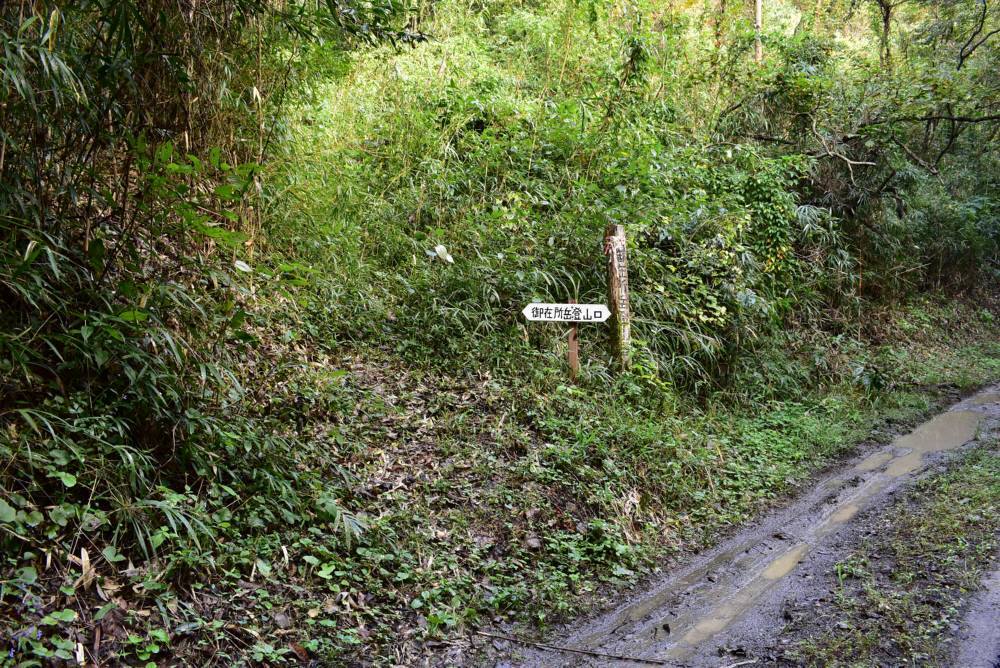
(621, 316)
(574, 350)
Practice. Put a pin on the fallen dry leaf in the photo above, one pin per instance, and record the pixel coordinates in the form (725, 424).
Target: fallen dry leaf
(87, 572)
(299, 650)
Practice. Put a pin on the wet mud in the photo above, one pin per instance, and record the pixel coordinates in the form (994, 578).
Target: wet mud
(979, 637)
(732, 597)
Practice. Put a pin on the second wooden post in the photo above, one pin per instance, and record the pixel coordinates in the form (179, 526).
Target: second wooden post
(621, 316)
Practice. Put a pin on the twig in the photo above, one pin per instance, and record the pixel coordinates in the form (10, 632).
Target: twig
(573, 650)
(976, 46)
(965, 51)
(741, 663)
(986, 118)
(15, 534)
(916, 158)
(832, 152)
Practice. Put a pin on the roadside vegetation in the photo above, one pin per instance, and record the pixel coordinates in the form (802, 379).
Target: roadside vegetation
(265, 392)
(902, 591)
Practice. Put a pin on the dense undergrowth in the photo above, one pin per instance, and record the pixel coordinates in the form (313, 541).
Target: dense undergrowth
(250, 412)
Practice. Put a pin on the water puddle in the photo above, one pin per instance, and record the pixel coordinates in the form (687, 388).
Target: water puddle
(945, 432)
(739, 602)
(844, 514)
(985, 398)
(875, 461)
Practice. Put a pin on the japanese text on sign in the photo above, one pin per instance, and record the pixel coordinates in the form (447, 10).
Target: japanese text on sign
(566, 312)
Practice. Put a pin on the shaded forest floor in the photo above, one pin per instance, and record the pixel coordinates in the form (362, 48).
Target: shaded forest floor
(266, 394)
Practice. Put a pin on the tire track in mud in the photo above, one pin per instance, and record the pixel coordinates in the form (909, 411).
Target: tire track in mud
(733, 595)
(980, 636)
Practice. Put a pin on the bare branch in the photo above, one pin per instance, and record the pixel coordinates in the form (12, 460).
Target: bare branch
(914, 157)
(975, 46)
(962, 54)
(832, 152)
(934, 117)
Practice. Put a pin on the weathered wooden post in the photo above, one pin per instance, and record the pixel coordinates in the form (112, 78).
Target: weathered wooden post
(573, 353)
(621, 317)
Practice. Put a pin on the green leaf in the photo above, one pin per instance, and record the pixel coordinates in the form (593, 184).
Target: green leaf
(27, 575)
(68, 479)
(165, 152)
(133, 315)
(54, 618)
(223, 236)
(61, 514)
(7, 512)
(158, 538)
(96, 254)
(225, 191)
(238, 319)
(103, 612)
(112, 554)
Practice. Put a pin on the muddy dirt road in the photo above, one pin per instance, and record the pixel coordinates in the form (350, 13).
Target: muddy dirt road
(727, 606)
(979, 639)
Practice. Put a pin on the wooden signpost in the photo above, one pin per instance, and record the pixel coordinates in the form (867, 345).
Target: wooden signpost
(619, 313)
(573, 351)
(614, 248)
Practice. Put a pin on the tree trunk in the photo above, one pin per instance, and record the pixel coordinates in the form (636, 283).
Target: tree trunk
(885, 55)
(719, 19)
(758, 46)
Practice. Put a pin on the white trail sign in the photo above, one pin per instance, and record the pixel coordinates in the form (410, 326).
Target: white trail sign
(566, 312)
